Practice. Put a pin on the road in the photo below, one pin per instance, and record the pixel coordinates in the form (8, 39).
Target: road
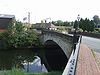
(92, 43)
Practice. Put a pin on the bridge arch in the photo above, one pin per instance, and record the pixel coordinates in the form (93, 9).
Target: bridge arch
(55, 56)
(58, 48)
(63, 41)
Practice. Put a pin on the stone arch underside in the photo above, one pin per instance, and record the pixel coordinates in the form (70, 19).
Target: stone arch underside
(57, 51)
(65, 45)
(55, 57)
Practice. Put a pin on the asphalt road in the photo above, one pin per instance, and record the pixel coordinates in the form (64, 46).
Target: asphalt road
(92, 43)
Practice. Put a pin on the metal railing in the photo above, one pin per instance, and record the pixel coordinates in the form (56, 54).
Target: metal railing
(70, 68)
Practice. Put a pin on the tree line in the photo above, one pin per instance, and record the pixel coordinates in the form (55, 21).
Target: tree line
(61, 23)
(84, 24)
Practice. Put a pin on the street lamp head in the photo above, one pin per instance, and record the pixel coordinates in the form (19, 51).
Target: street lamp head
(78, 14)
(78, 17)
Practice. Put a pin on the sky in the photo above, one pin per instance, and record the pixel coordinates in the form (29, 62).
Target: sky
(66, 10)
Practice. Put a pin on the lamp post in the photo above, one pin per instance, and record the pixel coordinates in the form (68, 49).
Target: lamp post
(29, 17)
(75, 34)
(46, 22)
(78, 17)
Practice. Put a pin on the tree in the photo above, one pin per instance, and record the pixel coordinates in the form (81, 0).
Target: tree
(86, 25)
(17, 36)
(92, 26)
(76, 24)
(60, 23)
(54, 22)
(81, 23)
(96, 19)
(71, 23)
(66, 23)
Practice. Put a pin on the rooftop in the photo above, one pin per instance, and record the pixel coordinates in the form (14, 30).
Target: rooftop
(7, 16)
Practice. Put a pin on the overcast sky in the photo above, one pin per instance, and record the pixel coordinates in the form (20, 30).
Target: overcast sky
(55, 9)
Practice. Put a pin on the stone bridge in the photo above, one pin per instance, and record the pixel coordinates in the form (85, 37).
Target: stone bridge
(58, 48)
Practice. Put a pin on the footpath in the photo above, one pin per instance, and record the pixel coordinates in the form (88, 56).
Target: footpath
(86, 64)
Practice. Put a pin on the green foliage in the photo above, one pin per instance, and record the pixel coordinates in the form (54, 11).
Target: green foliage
(66, 23)
(97, 30)
(92, 26)
(86, 25)
(60, 23)
(96, 19)
(19, 36)
(14, 71)
(75, 24)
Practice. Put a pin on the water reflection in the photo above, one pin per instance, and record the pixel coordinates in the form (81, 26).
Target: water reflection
(24, 59)
(35, 66)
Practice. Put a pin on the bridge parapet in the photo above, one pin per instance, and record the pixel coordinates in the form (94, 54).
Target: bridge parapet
(63, 37)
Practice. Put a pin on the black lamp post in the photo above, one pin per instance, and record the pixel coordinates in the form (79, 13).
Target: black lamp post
(78, 17)
(75, 34)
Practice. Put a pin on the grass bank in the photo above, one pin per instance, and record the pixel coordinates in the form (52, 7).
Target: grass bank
(20, 72)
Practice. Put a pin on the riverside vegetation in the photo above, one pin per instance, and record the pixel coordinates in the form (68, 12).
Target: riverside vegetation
(20, 72)
(18, 36)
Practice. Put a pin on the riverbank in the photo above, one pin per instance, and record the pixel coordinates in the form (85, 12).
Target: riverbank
(20, 72)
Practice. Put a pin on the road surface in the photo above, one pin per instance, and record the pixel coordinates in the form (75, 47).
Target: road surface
(92, 43)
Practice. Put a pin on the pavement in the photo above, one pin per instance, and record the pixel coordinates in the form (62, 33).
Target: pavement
(86, 64)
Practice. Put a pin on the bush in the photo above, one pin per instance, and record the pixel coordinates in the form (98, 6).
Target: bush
(97, 30)
(17, 36)
(14, 71)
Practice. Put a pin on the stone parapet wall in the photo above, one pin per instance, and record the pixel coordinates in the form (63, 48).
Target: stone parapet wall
(94, 35)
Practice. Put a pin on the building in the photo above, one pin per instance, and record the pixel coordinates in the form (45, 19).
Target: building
(5, 20)
(45, 26)
(98, 26)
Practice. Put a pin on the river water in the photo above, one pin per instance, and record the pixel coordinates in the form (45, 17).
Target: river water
(93, 43)
(24, 59)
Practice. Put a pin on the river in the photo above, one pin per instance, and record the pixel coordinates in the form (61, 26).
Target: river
(24, 59)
